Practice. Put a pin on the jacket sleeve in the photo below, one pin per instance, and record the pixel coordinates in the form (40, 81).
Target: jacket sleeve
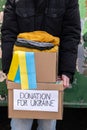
(9, 33)
(70, 38)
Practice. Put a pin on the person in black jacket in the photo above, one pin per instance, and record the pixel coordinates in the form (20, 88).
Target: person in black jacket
(57, 17)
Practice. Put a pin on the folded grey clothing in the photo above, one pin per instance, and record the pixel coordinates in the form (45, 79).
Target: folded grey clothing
(33, 44)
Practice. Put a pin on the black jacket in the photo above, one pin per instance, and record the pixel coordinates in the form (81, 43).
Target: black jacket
(57, 17)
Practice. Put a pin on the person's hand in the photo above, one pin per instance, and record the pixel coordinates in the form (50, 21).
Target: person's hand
(66, 81)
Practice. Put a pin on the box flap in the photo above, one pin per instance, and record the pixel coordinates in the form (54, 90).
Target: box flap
(41, 86)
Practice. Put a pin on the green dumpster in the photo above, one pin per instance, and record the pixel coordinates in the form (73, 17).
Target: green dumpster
(76, 95)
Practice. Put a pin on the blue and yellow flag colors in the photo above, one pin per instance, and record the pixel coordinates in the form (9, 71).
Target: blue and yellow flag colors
(22, 69)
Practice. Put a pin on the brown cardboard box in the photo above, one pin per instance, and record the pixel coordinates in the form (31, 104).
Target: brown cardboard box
(46, 66)
(36, 114)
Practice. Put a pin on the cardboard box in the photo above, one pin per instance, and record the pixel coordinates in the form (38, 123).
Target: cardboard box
(36, 114)
(46, 66)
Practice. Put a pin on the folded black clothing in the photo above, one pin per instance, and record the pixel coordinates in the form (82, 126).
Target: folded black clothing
(33, 44)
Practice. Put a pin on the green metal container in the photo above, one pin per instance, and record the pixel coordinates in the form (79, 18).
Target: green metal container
(76, 95)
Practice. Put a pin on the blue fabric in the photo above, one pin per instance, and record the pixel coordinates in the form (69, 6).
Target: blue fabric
(17, 77)
(26, 124)
(30, 64)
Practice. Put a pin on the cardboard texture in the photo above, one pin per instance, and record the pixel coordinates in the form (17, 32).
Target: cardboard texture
(35, 114)
(46, 66)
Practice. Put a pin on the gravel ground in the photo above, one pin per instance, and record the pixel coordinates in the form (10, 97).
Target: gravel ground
(74, 119)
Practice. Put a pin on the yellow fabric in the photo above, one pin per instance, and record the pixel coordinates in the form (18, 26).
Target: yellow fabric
(40, 36)
(13, 67)
(19, 59)
(23, 70)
